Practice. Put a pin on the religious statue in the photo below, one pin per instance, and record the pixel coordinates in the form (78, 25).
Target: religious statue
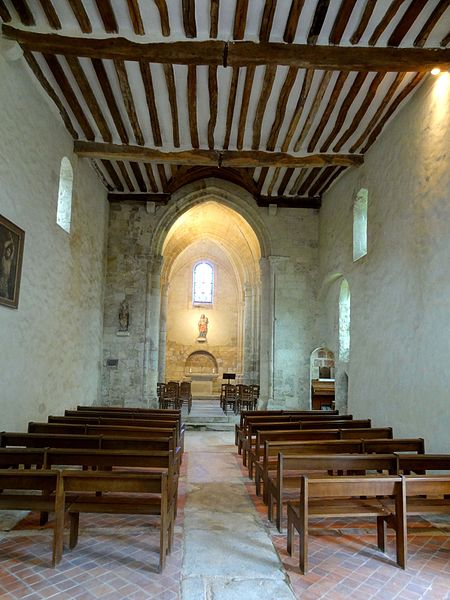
(202, 328)
(124, 316)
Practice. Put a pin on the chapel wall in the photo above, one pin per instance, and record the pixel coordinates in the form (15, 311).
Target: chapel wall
(397, 373)
(51, 345)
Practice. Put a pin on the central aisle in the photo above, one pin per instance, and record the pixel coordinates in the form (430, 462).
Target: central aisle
(227, 552)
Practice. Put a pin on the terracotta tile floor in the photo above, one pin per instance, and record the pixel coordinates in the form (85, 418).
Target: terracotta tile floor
(115, 559)
(344, 561)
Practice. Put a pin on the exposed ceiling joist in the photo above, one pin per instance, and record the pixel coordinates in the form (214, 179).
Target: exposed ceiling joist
(213, 158)
(214, 52)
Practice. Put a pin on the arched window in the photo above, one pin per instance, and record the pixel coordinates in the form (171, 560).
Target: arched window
(64, 212)
(344, 322)
(203, 283)
(360, 224)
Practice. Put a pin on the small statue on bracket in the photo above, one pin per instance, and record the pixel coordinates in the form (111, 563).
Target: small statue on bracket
(124, 316)
(202, 328)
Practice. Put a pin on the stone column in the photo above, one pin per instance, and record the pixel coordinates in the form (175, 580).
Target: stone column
(267, 330)
(151, 342)
(163, 332)
(256, 332)
(248, 358)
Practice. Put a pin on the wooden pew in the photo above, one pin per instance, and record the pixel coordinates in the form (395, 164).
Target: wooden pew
(333, 497)
(420, 463)
(13, 458)
(150, 496)
(133, 409)
(395, 445)
(338, 424)
(291, 467)
(29, 489)
(366, 433)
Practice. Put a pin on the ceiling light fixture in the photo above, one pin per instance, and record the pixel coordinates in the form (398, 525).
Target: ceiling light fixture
(435, 71)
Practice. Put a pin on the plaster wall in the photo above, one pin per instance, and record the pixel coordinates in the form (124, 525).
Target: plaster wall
(398, 369)
(51, 345)
(292, 235)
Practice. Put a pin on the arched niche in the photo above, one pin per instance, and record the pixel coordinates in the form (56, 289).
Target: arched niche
(322, 373)
(202, 371)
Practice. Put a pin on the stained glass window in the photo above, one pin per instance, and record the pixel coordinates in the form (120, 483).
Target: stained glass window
(203, 283)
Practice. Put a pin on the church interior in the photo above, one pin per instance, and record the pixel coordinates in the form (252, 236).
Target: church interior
(201, 190)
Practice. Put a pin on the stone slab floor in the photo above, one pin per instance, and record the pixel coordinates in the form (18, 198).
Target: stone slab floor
(225, 549)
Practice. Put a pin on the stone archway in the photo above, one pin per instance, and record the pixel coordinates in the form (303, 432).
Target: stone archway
(251, 270)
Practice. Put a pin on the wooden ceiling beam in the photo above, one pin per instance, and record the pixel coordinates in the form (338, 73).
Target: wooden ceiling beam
(163, 16)
(125, 175)
(50, 13)
(70, 96)
(135, 17)
(138, 176)
(214, 19)
(237, 54)
(103, 80)
(248, 85)
(23, 10)
(406, 22)
(306, 86)
(118, 186)
(320, 182)
(189, 23)
(262, 178)
(231, 106)
(128, 101)
(323, 86)
(151, 177)
(162, 176)
(302, 190)
(172, 91)
(318, 20)
(34, 66)
(212, 158)
(267, 20)
(266, 90)
(446, 40)
(292, 21)
(192, 104)
(281, 107)
(341, 21)
(81, 15)
(89, 97)
(147, 80)
(363, 22)
(387, 18)
(428, 27)
(107, 16)
(240, 19)
(343, 111)
(284, 182)
(4, 12)
(213, 99)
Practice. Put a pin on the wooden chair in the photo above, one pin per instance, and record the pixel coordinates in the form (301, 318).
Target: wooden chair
(230, 399)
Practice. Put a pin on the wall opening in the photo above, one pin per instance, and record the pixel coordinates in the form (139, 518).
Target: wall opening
(64, 211)
(344, 322)
(203, 283)
(360, 224)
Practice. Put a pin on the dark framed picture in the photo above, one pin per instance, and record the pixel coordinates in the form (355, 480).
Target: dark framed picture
(11, 253)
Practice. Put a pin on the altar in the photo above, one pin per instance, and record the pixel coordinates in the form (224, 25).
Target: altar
(202, 384)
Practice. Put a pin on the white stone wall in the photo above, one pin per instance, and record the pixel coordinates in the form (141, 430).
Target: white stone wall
(400, 311)
(50, 357)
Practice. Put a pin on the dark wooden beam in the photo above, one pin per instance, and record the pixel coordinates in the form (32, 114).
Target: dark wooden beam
(432, 20)
(164, 17)
(138, 176)
(213, 158)
(214, 19)
(266, 89)
(240, 19)
(406, 22)
(187, 175)
(162, 176)
(172, 91)
(323, 86)
(298, 110)
(342, 77)
(138, 197)
(135, 16)
(215, 52)
(107, 16)
(113, 175)
(290, 201)
(89, 97)
(65, 87)
(23, 10)
(292, 21)
(81, 15)
(446, 40)
(231, 106)
(4, 12)
(127, 96)
(248, 85)
(190, 27)
(50, 13)
(288, 84)
(341, 21)
(151, 177)
(125, 175)
(213, 93)
(192, 104)
(151, 101)
(103, 80)
(387, 18)
(267, 20)
(318, 20)
(364, 21)
(34, 66)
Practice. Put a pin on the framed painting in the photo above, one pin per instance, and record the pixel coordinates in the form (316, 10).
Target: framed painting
(11, 253)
